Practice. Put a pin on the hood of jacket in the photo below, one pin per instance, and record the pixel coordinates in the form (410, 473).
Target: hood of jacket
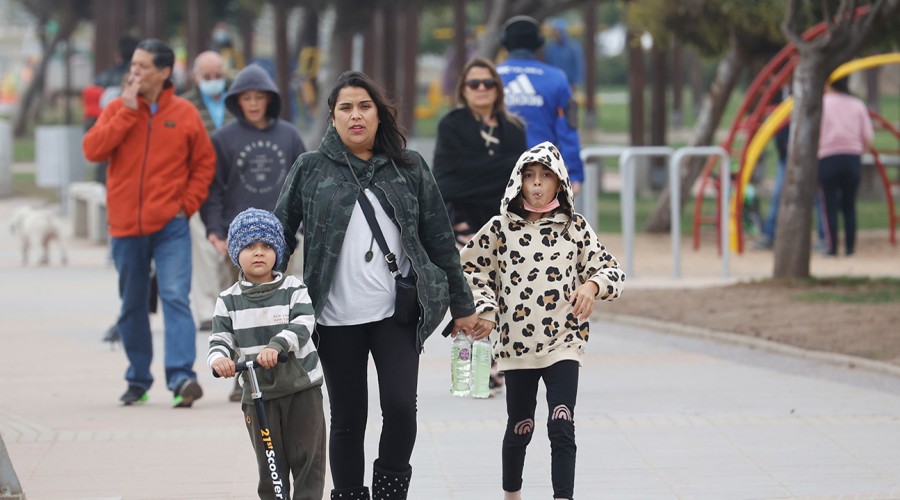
(334, 148)
(253, 77)
(548, 155)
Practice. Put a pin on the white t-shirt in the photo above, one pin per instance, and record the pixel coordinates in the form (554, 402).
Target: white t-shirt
(363, 292)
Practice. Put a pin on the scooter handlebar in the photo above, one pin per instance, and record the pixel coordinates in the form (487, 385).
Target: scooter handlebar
(242, 365)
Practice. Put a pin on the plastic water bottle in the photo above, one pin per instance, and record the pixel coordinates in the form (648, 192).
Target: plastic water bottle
(460, 365)
(481, 368)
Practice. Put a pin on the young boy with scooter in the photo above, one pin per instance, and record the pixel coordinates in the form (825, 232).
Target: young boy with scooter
(265, 321)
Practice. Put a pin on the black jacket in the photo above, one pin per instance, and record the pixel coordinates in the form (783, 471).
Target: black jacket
(470, 173)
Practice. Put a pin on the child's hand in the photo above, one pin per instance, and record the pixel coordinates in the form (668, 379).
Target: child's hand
(224, 367)
(583, 300)
(482, 329)
(267, 358)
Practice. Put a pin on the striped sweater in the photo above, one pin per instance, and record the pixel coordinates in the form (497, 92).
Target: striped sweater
(250, 317)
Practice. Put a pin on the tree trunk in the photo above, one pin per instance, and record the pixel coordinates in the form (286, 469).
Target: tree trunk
(36, 86)
(792, 236)
(658, 121)
(407, 78)
(282, 60)
(677, 86)
(727, 74)
(350, 18)
(590, 67)
(872, 94)
(636, 80)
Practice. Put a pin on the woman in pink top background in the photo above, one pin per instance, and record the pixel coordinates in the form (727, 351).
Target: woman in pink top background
(845, 134)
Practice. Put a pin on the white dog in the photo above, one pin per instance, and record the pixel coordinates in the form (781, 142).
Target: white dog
(38, 226)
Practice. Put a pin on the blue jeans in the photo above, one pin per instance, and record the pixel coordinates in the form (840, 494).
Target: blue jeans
(170, 249)
(772, 219)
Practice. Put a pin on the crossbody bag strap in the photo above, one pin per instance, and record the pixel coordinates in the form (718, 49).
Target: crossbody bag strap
(366, 205)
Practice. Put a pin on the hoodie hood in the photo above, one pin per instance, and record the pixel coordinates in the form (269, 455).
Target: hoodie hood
(253, 77)
(548, 155)
(561, 26)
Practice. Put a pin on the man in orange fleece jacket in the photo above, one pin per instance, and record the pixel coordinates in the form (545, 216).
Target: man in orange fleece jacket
(161, 163)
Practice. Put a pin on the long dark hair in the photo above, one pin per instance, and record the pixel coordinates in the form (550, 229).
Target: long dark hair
(389, 140)
(841, 85)
(499, 108)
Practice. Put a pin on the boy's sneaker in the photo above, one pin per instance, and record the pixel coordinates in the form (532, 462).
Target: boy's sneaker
(134, 394)
(188, 391)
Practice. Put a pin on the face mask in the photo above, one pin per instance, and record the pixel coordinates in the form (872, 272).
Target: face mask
(212, 88)
(220, 36)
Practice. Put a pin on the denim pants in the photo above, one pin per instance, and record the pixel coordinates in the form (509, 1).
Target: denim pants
(772, 219)
(170, 249)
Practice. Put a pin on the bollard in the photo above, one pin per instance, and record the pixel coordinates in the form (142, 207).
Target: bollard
(59, 159)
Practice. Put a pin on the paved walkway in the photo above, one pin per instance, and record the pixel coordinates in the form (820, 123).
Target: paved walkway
(660, 416)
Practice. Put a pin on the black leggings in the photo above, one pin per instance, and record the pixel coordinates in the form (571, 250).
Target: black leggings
(344, 352)
(561, 381)
(839, 177)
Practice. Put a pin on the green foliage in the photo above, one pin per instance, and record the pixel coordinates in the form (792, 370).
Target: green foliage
(707, 24)
(23, 149)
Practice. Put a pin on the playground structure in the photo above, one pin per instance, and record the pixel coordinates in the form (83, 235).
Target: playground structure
(757, 122)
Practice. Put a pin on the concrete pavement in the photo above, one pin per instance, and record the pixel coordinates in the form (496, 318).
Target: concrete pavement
(659, 416)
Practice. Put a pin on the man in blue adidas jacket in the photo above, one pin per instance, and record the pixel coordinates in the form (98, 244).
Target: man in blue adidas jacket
(540, 94)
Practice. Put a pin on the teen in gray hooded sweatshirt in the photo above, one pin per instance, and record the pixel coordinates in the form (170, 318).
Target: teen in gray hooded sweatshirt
(253, 154)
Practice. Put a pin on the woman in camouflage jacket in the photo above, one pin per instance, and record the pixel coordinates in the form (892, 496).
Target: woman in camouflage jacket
(353, 293)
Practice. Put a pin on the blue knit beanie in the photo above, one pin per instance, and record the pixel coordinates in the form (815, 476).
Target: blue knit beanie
(254, 225)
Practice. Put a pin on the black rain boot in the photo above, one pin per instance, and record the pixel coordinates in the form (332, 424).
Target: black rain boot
(354, 493)
(390, 485)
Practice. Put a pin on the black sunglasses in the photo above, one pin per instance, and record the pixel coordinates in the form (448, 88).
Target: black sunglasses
(488, 83)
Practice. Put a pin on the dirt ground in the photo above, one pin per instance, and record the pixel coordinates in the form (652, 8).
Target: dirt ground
(755, 306)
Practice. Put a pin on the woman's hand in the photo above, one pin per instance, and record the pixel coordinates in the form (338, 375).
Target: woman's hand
(465, 324)
(583, 300)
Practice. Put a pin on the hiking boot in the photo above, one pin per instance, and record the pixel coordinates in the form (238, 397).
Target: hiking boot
(134, 394)
(188, 391)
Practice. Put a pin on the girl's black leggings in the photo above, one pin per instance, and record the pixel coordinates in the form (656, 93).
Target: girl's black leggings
(561, 381)
(344, 352)
(839, 177)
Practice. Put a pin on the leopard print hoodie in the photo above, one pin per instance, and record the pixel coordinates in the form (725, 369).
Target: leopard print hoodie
(522, 273)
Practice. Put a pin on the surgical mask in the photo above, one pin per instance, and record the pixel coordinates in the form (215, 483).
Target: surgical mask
(220, 36)
(212, 88)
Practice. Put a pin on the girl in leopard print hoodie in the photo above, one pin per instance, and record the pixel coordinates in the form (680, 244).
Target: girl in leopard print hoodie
(535, 271)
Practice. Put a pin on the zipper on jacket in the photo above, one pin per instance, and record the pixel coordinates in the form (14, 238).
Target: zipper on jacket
(412, 262)
(143, 169)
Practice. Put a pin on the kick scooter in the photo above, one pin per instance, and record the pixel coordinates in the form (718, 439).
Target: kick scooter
(265, 434)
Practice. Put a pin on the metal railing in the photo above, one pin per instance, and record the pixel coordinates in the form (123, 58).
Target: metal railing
(675, 201)
(587, 205)
(627, 199)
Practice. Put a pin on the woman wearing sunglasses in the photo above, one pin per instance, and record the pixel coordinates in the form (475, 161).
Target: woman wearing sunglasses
(477, 146)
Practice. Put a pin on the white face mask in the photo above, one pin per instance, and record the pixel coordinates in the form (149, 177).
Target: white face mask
(212, 88)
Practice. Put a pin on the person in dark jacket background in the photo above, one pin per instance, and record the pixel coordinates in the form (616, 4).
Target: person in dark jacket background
(253, 156)
(353, 291)
(477, 146)
(540, 94)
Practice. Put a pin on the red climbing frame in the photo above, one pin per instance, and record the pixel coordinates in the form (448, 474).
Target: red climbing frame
(752, 112)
